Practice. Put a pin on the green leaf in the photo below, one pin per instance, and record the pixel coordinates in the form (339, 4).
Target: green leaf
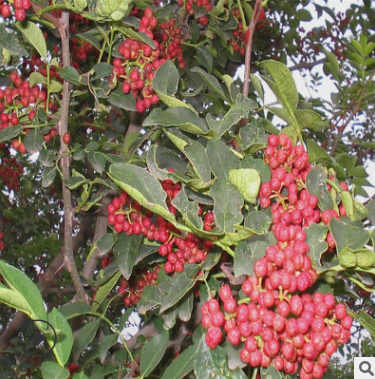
(365, 258)
(97, 160)
(113, 9)
(25, 291)
(302, 15)
(316, 183)
(179, 286)
(182, 365)
(213, 363)
(198, 158)
(33, 140)
(105, 344)
(14, 299)
(221, 158)
(153, 352)
(37, 78)
(126, 252)
(366, 321)
(105, 289)
(247, 181)
(181, 117)
(257, 84)
(281, 82)
(51, 370)
(71, 310)
(332, 64)
(228, 203)
(80, 375)
(124, 101)
(142, 187)
(253, 137)
(270, 373)
(48, 176)
(71, 75)
(138, 36)
(186, 307)
(316, 153)
(10, 42)
(309, 119)
(10, 133)
(237, 112)
(248, 252)
(258, 221)
(188, 209)
(151, 298)
(165, 84)
(64, 341)
(34, 36)
(348, 234)
(80, 5)
(84, 337)
(316, 239)
(204, 57)
(212, 83)
(106, 243)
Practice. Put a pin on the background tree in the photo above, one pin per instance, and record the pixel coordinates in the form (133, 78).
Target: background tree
(141, 175)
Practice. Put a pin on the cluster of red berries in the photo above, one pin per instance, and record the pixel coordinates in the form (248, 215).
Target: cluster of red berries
(136, 69)
(10, 173)
(131, 290)
(200, 6)
(19, 99)
(278, 322)
(17, 9)
(128, 216)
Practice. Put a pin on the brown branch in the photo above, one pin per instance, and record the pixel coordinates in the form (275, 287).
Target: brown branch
(232, 279)
(47, 16)
(301, 65)
(100, 230)
(65, 163)
(249, 45)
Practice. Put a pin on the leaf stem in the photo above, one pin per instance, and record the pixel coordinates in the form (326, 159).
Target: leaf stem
(255, 372)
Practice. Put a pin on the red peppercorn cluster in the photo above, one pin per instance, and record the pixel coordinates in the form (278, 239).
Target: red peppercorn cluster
(10, 173)
(126, 215)
(136, 68)
(278, 322)
(131, 290)
(17, 9)
(18, 100)
(18, 104)
(200, 5)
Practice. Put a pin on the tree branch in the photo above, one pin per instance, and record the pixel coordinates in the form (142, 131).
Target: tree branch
(249, 45)
(65, 163)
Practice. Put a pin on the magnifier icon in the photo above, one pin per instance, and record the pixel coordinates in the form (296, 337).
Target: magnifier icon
(365, 367)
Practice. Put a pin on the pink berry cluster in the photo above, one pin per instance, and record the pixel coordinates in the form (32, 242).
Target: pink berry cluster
(135, 70)
(128, 216)
(278, 322)
(16, 8)
(131, 290)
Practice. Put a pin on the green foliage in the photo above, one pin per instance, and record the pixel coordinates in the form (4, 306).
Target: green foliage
(194, 149)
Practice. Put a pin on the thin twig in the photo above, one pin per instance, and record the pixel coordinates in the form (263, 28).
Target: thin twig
(251, 30)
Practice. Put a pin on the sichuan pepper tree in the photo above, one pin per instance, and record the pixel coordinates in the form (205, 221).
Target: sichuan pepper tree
(139, 177)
